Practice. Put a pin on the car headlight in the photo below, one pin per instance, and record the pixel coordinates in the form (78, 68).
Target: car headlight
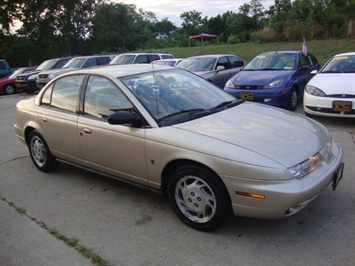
(229, 84)
(314, 91)
(275, 84)
(31, 77)
(309, 165)
(51, 76)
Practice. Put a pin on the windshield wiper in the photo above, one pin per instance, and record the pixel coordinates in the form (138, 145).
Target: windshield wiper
(187, 112)
(226, 104)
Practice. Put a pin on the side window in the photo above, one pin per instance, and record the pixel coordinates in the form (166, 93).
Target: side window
(304, 61)
(141, 59)
(61, 63)
(223, 61)
(65, 93)
(2, 65)
(312, 59)
(166, 56)
(103, 98)
(103, 60)
(90, 62)
(153, 57)
(46, 98)
(235, 61)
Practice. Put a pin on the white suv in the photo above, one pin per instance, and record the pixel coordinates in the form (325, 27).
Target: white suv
(135, 58)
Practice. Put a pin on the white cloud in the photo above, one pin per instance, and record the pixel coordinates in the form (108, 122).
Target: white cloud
(174, 8)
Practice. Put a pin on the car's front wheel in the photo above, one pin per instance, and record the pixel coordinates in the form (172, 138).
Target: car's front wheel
(9, 89)
(40, 153)
(293, 101)
(198, 197)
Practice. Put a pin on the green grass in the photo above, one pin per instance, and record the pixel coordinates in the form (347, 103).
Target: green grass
(322, 49)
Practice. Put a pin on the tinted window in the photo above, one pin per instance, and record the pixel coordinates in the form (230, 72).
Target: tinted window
(103, 60)
(141, 59)
(65, 93)
(153, 57)
(235, 61)
(90, 62)
(167, 56)
(103, 97)
(223, 61)
(2, 65)
(61, 63)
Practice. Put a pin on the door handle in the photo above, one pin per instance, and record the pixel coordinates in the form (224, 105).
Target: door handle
(87, 131)
(44, 119)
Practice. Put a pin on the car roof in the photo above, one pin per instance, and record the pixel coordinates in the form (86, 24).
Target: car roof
(282, 52)
(345, 54)
(122, 70)
(139, 53)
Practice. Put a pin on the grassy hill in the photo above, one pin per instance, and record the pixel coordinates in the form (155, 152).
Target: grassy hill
(322, 49)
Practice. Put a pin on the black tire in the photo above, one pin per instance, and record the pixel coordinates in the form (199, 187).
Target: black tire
(9, 89)
(293, 101)
(40, 154)
(198, 197)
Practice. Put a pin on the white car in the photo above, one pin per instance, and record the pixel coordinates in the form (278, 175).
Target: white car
(331, 92)
(174, 132)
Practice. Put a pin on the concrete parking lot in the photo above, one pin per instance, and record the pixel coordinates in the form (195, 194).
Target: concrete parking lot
(125, 225)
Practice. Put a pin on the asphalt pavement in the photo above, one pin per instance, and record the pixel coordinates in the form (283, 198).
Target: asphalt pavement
(125, 225)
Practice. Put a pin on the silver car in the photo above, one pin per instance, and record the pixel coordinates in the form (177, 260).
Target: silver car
(216, 68)
(171, 131)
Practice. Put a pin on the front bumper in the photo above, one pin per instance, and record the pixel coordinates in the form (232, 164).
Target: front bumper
(274, 97)
(282, 198)
(27, 86)
(323, 106)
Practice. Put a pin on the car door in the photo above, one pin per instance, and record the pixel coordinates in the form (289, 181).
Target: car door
(117, 150)
(57, 118)
(304, 72)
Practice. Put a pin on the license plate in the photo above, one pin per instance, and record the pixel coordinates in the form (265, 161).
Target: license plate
(342, 106)
(338, 175)
(248, 96)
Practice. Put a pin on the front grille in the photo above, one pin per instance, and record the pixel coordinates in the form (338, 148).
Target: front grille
(249, 87)
(341, 96)
(43, 76)
(21, 78)
(329, 110)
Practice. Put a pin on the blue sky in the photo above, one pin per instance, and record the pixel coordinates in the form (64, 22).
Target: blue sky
(173, 8)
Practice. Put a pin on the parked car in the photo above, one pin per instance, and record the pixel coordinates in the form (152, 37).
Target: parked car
(75, 63)
(7, 84)
(27, 81)
(4, 68)
(135, 58)
(167, 62)
(216, 68)
(275, 78)
(331, 92)
(174, 132)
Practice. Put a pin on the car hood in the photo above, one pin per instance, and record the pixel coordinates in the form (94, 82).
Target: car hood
(282, 136)
(260, 77)
(330, 83)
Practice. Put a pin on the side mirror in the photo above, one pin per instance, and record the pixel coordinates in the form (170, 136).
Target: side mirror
(305, 67)
(124, 118)
(314, 72)
(220, 68)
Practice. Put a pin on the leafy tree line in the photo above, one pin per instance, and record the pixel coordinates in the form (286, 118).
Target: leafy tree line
(54, 28)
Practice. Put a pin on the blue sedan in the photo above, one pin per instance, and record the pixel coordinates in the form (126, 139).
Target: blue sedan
(275, 78)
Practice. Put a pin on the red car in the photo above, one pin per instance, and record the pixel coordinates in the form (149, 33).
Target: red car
(7, 84)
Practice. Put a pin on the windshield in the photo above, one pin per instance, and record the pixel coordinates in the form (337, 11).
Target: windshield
(16, 73)
(46, 65)
(197, 64)
(75, 63)
(275, 61)
(340, 64)
(173, 96)
(122, 59)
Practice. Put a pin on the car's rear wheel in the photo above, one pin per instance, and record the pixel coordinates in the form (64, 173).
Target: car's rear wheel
(293, 101)
(198, 197)
(40, 153)
(9, 89)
